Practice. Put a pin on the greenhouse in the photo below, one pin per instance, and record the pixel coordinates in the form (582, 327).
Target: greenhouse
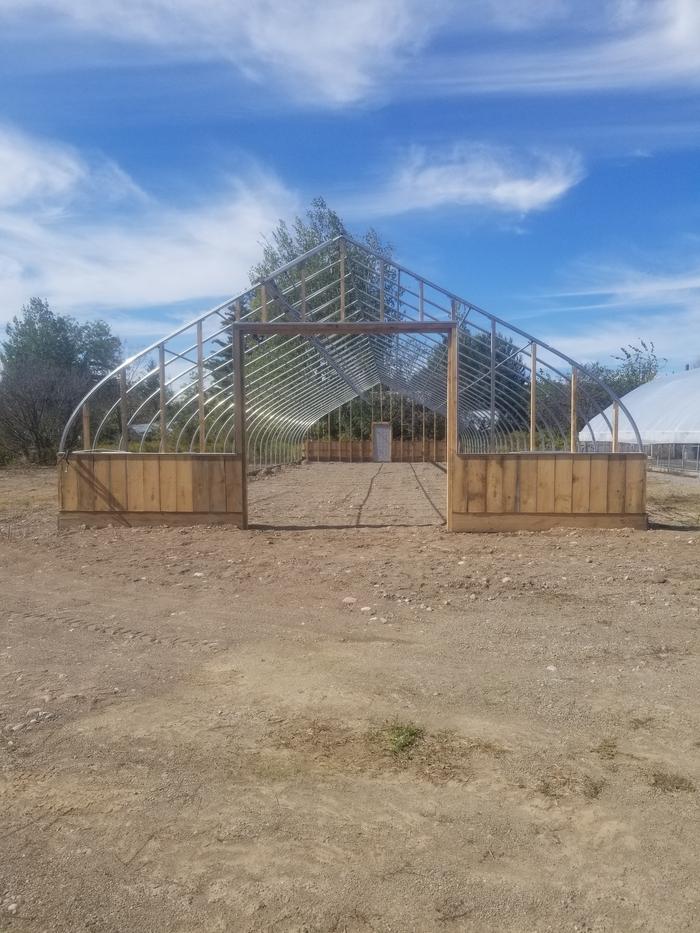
(665, 413)
(335, 355)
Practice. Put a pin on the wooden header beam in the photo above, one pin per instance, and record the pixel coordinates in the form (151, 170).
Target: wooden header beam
(329, 328)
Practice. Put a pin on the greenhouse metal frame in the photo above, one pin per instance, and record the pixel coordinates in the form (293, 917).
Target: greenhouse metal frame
(515, 391)
(172, 434)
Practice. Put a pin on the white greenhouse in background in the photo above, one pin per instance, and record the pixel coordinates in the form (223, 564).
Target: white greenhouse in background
(667, 413)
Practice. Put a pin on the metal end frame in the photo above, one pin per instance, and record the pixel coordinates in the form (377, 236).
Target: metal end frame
(510, 391)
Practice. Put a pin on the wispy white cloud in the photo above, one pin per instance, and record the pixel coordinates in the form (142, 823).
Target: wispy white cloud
(332, 52)
(50, 176)
(610, 306)
(338, 53)
(629, 288)
(474, 176)
(597, 46)
(60, 240)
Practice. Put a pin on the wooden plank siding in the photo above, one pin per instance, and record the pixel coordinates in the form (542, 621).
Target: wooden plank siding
(543, 490)
(99, 488)
(345, 451)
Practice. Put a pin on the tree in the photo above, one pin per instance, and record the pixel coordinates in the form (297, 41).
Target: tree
(285, 244)
(322, 223)
(637, 364)
(49, 362)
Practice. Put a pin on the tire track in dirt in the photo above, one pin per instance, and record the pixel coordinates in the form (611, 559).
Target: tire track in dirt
(120, 631)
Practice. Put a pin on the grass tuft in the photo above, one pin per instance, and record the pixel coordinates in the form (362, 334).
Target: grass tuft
(402, 737)
(668, 782)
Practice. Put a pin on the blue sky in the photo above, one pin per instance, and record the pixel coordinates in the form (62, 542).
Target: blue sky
(540, 159)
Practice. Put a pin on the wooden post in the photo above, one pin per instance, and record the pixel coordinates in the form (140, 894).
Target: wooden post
(362, 436)
(86, 426)
(263, 302)
(342, 280)
(492, 419)
(451, 433)
(423, 444)
(434, 437)
(200, 389)
(381, 289)
(350, 418)
(123, 411)
(302, 273)
(238, 348)
(413, 430)
(615, 426)
(401, 422)
(574, 431)
(533, 397)
(161, 413)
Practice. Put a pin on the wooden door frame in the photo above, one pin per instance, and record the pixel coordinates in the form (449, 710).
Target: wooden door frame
(241, 329)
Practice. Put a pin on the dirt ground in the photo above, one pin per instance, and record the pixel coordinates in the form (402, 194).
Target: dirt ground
(369, 724)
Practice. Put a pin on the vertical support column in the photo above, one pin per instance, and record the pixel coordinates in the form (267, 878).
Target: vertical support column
(413, 430)
(263, 302)
(451, 432)
(302, 273)
(434, 437)
(362, 436)
(163, 400)
(123, 411)
(342, 280)
(351, 431)
(200, 389)
(238, 348)
(86, 426)
(492, 421)
(616, 427)
(421, 302)
(533, 396)
(423, 444)
(381, 289)
(573, 413)
(401, 438)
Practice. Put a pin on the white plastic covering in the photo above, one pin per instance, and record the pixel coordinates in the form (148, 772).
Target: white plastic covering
(667, 411)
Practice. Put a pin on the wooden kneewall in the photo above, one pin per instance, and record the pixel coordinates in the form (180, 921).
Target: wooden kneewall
(103, 488)
(146, 519)
(356, 451)
(539, 490)
(488, 521)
